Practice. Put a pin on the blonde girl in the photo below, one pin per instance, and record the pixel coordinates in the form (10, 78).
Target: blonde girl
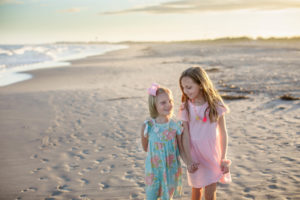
(160, 137)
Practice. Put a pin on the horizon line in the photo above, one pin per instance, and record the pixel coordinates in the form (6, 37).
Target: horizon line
(218, 39)
(238, 38)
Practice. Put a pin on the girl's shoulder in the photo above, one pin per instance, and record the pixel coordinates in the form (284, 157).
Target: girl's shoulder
(222, 108)
(149, 122)
(147, 125)
(175, 123)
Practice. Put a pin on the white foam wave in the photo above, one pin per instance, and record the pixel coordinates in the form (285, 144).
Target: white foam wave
(17, 58)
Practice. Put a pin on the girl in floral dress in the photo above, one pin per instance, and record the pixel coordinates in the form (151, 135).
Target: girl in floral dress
(161, 139)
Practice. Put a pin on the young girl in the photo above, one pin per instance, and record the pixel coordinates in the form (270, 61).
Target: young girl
(204, 136)
(161, 137)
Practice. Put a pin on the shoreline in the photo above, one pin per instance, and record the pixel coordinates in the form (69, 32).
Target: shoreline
(17, 74)
(73, 132)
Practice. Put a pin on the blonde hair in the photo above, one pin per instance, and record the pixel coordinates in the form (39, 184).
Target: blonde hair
(210, 94)
(152, 101)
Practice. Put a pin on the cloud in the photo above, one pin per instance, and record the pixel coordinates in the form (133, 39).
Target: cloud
(193, 6)
(10, 2)
(71, 10)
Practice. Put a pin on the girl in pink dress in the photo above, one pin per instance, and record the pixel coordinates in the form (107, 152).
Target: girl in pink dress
(205, 136)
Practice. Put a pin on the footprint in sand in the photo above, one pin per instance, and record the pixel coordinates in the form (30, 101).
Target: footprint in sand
(247, 189)
(44, 160)
(69, 167)
(98, 148)
(267, 171)
(249, 196)
(115, 155)
(56, 193)
(34, 156)
(74, 149)
(92, 141)
(85, 151)
(43, 178)
(275, 187)
(107, 169)
(79, 157)
(30, 189)
(84, 196)
(133, 195)
(35, 170)
(63, 188)
(287, 158)
(84, 181)
(129, 175)
(84, 171)
(103, 185)
(98, 161)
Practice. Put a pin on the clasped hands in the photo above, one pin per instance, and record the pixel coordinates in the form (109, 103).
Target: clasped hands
(224, 165)
(192, 167)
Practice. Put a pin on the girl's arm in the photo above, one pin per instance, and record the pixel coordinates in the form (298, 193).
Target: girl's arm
(223, 135)
(144, 139)
(225, 163)
(192, 167)
(181, 150)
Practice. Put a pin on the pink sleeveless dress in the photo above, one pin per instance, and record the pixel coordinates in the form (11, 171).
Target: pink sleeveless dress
(205, 147)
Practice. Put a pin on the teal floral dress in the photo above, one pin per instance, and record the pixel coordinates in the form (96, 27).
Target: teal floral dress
(162, 167)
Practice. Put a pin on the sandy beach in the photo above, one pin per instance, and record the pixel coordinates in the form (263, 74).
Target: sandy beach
(74, 132)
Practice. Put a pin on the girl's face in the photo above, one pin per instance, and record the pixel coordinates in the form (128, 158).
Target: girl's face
(190, 88)
(164, 104)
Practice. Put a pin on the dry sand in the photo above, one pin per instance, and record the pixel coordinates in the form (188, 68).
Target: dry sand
(73, 132)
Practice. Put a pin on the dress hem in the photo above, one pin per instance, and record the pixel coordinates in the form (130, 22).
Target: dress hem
(211, 182)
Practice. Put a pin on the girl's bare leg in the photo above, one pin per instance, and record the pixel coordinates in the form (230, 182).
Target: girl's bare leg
(196, 193)
(210, 192)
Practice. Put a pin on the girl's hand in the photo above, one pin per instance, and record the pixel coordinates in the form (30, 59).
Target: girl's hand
(192, 167)
(225, 166)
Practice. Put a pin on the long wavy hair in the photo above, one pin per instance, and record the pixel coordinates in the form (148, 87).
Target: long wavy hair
(210, 94)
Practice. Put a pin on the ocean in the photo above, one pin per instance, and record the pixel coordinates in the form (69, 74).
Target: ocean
(17, 59)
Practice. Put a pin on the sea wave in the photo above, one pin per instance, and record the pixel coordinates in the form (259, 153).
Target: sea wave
(19, 58)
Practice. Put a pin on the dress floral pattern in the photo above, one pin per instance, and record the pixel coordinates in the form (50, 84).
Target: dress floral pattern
(163, 169)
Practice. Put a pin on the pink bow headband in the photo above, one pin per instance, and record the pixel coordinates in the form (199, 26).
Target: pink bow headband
(152, 90)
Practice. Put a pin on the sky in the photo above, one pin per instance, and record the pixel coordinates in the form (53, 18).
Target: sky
(46, 21)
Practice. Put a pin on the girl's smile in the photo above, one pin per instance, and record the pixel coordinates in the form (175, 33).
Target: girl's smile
(164, 104)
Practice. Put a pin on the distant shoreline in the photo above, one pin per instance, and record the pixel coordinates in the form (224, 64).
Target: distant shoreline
(221, 39)
(212, 40)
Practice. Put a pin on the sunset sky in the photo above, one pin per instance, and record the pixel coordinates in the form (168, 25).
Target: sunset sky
(43, 21)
